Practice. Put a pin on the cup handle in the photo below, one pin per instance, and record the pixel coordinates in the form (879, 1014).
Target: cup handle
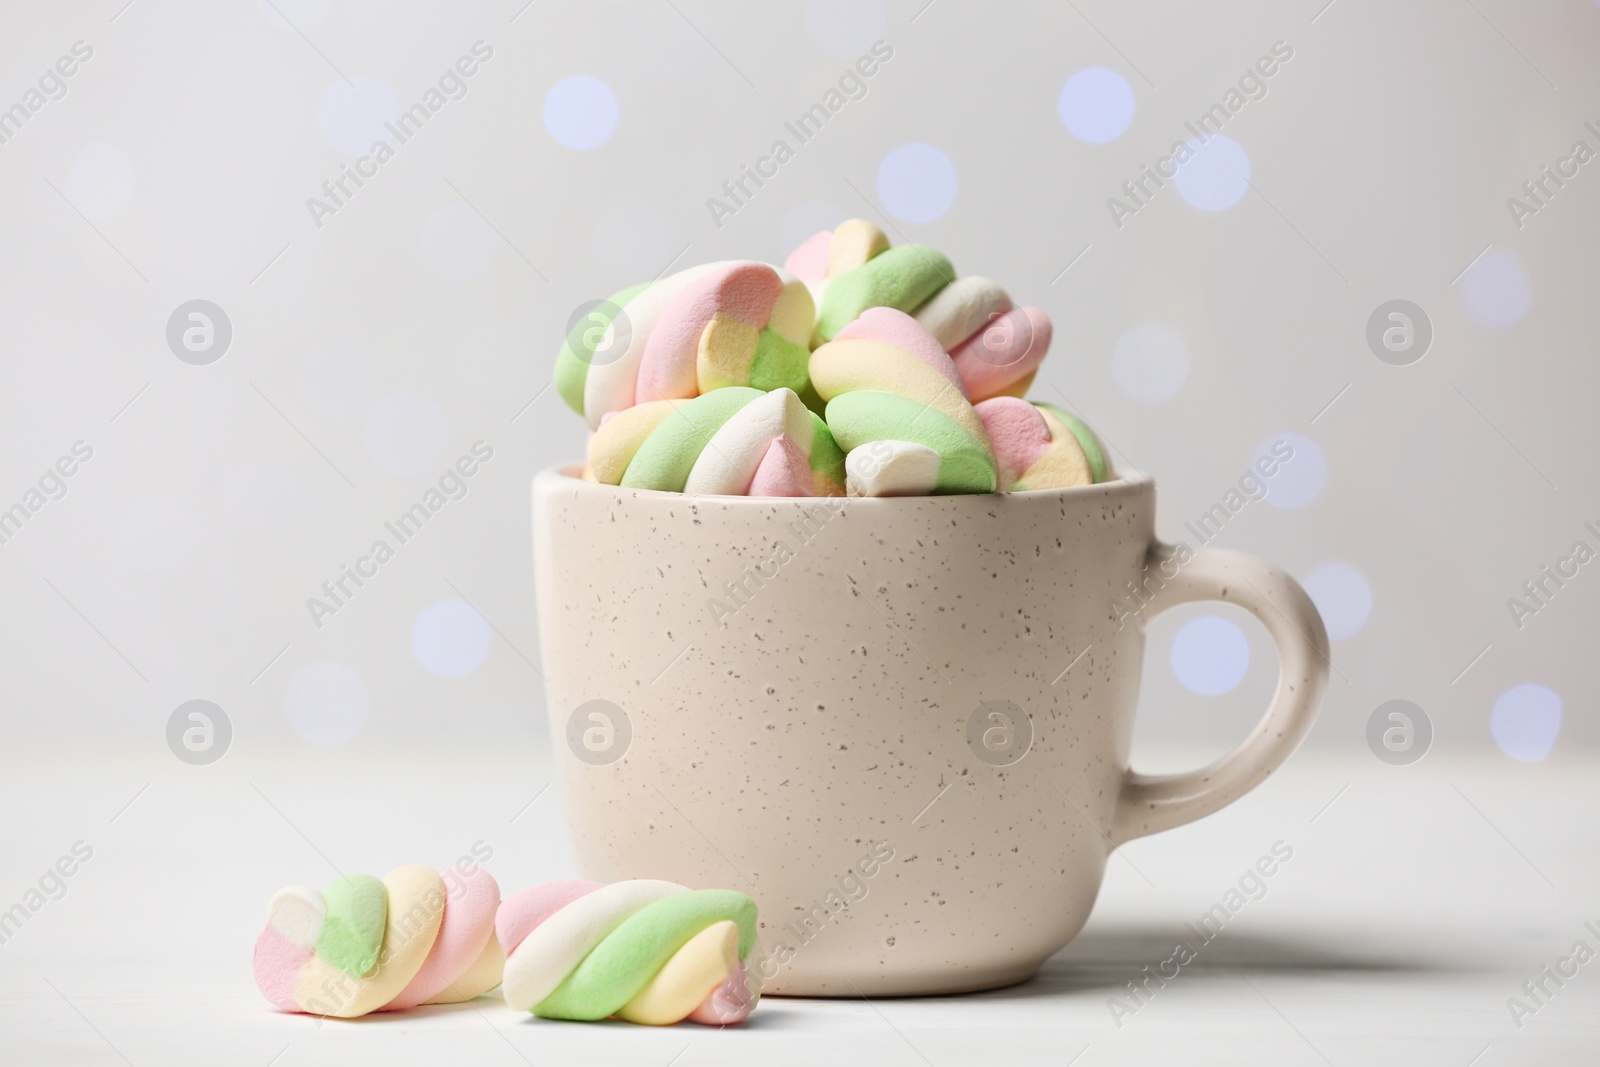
(1152, 803)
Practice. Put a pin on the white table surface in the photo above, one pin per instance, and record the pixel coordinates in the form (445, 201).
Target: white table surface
(1416, 903)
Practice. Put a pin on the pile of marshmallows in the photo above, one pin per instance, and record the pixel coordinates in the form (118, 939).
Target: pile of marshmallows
(855, 368)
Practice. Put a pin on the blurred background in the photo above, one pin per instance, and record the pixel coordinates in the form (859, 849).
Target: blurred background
(230, 363)
(379, 331)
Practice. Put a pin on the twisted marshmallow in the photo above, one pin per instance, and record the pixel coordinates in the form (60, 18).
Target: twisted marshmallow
(704, 328)
(1038, 446)
(369, 945)
(644, 951)
(888, 380)
(736, 441)
(996, 347)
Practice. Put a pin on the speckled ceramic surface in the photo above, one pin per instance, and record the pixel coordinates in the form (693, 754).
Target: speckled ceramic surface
(901, 725)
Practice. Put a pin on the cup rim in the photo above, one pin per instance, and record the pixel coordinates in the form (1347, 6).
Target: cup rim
(1124, 481)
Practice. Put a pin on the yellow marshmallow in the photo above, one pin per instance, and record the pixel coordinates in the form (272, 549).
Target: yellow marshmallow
(854, 242)
(848, 366)
(612, 447)
(727, 347)
(416, 908)
(795, 313)
(683, 983)
(1064, 465)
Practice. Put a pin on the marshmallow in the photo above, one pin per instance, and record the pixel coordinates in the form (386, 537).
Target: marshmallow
(730, 458)
(465, 959)
(1096, 456)
(784, 470)
(901, 278)
(826, 255)
(868, 415)
(730, 305)
(734, 353)
(794, 315)
(892, 468)
(849, 366)
(719, 442)
(1004, 352)
(612, 446)
(853, 243)
(928, 369)
(962, 308)
(665, 458)
(901, 330)
(827, 461)
(610, 386)
(887, 379)
(368, 945)
(590, 340)
(1017, 431)
(809, 262)
(645, 951)
(677, 991)
(1066, 461)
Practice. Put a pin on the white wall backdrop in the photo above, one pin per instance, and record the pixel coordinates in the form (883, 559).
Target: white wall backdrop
(1368, 152)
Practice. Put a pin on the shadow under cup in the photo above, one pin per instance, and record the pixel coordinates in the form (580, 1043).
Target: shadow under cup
(901, 725)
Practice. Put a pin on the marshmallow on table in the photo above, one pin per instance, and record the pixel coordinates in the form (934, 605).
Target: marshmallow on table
(885, 378)
(416, 937)
(644, 951)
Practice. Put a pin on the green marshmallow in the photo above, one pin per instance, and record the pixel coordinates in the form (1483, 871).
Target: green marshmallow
(1086, 440)
(826, 455)
(624, 962)
(902, 278)
(667, 456)
(868, 415)
(572, 362)
(779, 363)
(352, 933)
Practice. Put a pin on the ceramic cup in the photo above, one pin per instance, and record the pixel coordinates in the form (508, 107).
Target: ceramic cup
(901, 725)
